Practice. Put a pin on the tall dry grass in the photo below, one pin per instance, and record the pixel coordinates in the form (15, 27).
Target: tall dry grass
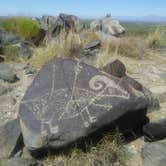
(63, 46)
(132, 47)
(157, 38)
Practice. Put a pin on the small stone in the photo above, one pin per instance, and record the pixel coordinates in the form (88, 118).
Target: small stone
(115, 68)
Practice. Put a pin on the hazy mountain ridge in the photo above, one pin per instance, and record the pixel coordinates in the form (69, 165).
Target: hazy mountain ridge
(148, 18)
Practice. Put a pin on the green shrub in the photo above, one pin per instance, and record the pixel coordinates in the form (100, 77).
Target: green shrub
(9, 25)
(11, 53)
(24, 27)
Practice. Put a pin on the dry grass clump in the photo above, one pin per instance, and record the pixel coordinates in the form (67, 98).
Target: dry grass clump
(156, 39)
(108, 152)
(88, 36)
(64, 45)
(132, 47)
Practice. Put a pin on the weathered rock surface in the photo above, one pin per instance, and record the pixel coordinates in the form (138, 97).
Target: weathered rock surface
(108, 26)
(23, 49)
(115, 68)
(154, 154)
(155, 131)
(54, 25)
(8, 38)
(90, 50)
(7, 74)
(92, 45)
(118, 69)
(2, 59)
(160, 91)
(69, 100)
(153, 100)
(11, 141)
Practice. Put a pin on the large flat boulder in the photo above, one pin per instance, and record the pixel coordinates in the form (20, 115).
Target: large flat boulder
(69, 100)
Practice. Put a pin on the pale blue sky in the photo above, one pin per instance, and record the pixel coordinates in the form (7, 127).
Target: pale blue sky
(85, 8)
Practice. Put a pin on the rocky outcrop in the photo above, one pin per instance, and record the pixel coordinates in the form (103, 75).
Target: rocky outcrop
(75, 100)
(54, 25)
(108, 26)
(11, 40)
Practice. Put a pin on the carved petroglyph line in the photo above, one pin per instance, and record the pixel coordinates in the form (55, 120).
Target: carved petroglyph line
(98, 82)
(77, 70)
(108, 107)
(101, 83)
(53, 81)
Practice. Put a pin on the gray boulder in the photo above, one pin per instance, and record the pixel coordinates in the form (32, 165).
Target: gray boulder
(11, 140)
(24, 50)
(7, 74)
(90, 50)
(8, 38)
(115, 68)
(54, 25)
(155, 131)
(108, 26)
(154, 154)
(68, 100)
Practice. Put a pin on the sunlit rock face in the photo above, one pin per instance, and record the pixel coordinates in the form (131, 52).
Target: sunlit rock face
(107, 25)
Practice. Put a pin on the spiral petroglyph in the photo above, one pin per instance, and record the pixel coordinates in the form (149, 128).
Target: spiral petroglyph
(101, 83)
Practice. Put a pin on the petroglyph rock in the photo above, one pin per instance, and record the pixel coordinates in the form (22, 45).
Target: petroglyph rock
(69, 100)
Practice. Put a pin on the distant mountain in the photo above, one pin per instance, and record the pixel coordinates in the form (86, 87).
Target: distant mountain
(148, 18)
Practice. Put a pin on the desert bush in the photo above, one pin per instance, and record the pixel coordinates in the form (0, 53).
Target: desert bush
(156, 38)
(108, 151)
(11, 53)
(24, 27)
(64, 45)
(9, 25)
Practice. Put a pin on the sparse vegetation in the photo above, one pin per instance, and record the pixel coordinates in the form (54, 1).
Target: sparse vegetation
(108, 152)
(156, 39)
(62, 47)
(24, 27)
(11, 53)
